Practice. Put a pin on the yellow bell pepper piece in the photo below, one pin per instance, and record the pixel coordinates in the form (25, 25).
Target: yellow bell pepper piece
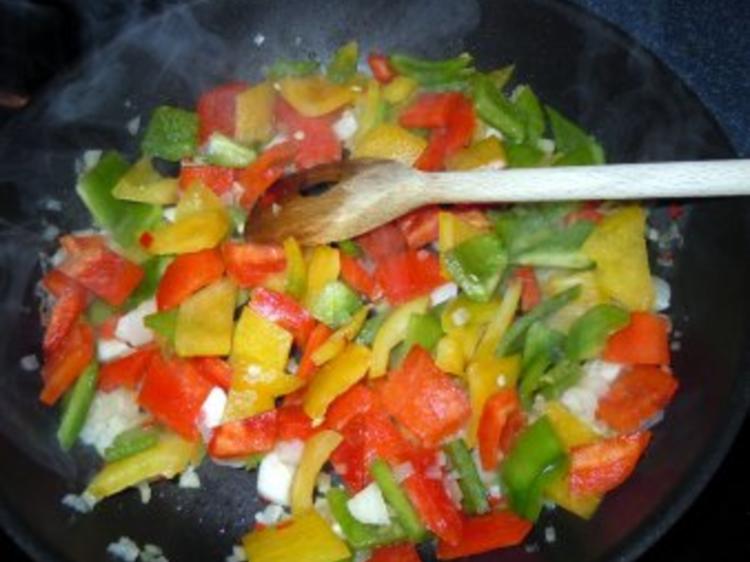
(452, 231)
(486, 152)
(500, 322)
(335, 378)
(590, 296)
(393, 332)
(618, 247)
(307, 537)
(485, 377)
(369, 109)
(462, 312)
(296, 272)
(337, 341)
(170, 456)
(259, 341)
(399, 89)
(198, 231)
(275, 282)
(390, 142)
(254, 390)
(468, 338)
(197, 198)
(205, 321)
(449, 355)
(323, 268)
(313, 96)
(143, 184)
(583, 505)
(315, 454)
(253, 118)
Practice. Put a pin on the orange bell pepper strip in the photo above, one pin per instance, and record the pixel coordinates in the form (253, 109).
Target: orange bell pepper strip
(601, 466)
(173, 392)
(358, 278)
(645, 341)
(105, 273)
(187, 274)
(249, 264)
(636, 396)
(284, 311)
(257, 177)
(216, 110)
(424, 399)
(126, 371)
(381, 68)
(406, 552)
(68, 360)
(494, 418)
(531, 293)
(318, 337)
(420, 227)
(241, 438)
(409, 275)
(435, 507)
(483, 533)
(214, 370)
(216, 178)
(65, 313)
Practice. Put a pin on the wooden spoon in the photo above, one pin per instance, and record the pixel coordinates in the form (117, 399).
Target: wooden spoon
(369, 193)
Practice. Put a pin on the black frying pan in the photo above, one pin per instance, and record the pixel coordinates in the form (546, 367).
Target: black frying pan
(588, 70)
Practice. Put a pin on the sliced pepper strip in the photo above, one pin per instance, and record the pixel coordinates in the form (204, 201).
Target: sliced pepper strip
(284, 311)
(392, 332)
(398, 500)
(77, 407)
(186, 274)
(249, 264)
(315, 454)
(484, 533)
(474, 493)
(358, 534)
(318, 337)
(238, 439)
(65, 313)
(67, 362)
(495, 414)
(435, 507)
(644, 341)
(126, 371)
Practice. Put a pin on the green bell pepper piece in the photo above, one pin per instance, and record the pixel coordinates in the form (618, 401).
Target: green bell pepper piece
(524, 155)
(220, 150)
(358, 534)
(530, 110)
(434, 73)
(336, 304)
(343, 65)
(474, 493)
(163, 323)
(367, 334)
(541, 340)
(143, 184)
(495, 109)
(564, 259)
(350, 248)
(99, 312)
(398, 500)
(477, 265)
(130, 442)
(172, 134)
(77, 406)
(153, 270)
(532, 378)
(589, 333)
(292, 68)
(536, 458)
(501, 76)
(560, 378)
(125, 220)
(513, 340)
(576, 147)
(525, 227)
(423, 330)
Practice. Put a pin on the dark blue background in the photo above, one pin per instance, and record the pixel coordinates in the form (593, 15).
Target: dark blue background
(707, 43)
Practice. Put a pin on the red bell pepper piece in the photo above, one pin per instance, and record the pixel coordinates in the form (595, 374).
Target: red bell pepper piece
(174, 391)
(56, 282)
(601, 466)
(435, 507)
(383, 242)
(256, 178)
(216, 178)
(424, 399)
(318, 144)
(214, 370)
(645, 341)
(187, 274)
(249, 264)
(318, 336)
(359, 399)
(241, 438)
(358, 278)
(430, 111)
(584, 214)
(406, 552)
(492, 423)
(284, 311)
(635, 397)
(66, 362)
(381, 68)
(65, 313)
(483, 533)
(294, 423)
(420, 227)
(216, 110)
(100, 270)
(409, 275)
(108, 328)
(531, 294)
(513, 425)
(126, 371)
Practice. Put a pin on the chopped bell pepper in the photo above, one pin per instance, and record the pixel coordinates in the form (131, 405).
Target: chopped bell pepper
(453, 231)
(307, 536)
(588, 335)
(130, 442)
(77, 407)
(429, 111)
(215, 370)
(296, 271)
(461, 312)
(249, 264)
(529, 110)
(499, 529)
(263, 172)
(434, 506)
(358, 278)
(318, 337)
(434, 73)
(216, 178)
(484, 153)
(399, 89)
(285, 67)
(260, 341)
(360, 535)
(253, 118)
(408, 275)
(124, 219)
(424, 399)
(390, 142)
(315, 454)
(449, 139)
(66, 311)
(240, 438)
(590, 296)
(495, 415)
(314, 96)
(371, 327)
(398, 500)
(477, 265)
(643, 341)
(474, 493)
(636, 396)
(582, 505)
(324, 267)
(163, 323)
(383, 242)
(423, 330)
(392, 332)
(205, 321)
(153, 271)
(335, 378)
(350, 248)
(187, 274)
(536, 458)
(216, 110)
(170, 456)
(294, 423)
(143, 184)
(531, 293)
(173, 392)
(370, 109)
(575, 146)
(420, 227)
(496, 110)
(126, 371)
(284, 311)
(381, 68)
(359, 399)
(254, 390)
(337, 341)
(172, 134)
(220, 150)
(343, 65)
(501, 76)
(66, 363)
(335, 304)
(198, 231)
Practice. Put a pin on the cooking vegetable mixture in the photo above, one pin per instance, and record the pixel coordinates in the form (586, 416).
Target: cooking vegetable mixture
(441, 378)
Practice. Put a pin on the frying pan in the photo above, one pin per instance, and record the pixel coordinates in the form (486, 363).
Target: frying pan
(588, 70)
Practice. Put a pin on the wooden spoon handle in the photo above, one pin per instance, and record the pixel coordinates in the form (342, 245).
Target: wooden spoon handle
(709, 178)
